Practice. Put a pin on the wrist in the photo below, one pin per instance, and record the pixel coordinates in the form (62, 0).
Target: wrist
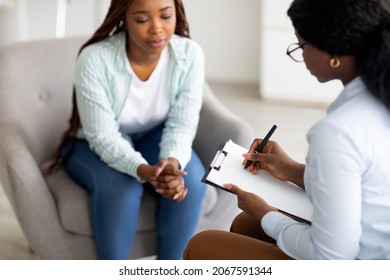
(296, 175)
(145, 172)
(175, 163)
(265, 212)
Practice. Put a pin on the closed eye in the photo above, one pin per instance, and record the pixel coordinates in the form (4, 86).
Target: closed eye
(141, 20)
(166, 16)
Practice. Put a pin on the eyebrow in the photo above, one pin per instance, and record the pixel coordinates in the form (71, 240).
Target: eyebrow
(145, 12)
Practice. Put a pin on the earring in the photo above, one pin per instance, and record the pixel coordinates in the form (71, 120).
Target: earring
(334, 62)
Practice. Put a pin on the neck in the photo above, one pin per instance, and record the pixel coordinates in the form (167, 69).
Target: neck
(348, 77)
(348, 70)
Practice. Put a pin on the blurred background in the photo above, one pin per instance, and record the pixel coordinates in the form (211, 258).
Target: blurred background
(244, 42)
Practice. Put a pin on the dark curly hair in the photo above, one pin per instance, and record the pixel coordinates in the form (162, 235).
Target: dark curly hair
(111, 25)
(350, 27)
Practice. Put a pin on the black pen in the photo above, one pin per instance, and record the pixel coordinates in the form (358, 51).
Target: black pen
(259, 148)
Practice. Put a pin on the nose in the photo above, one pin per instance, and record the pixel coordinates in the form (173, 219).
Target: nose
(156, 27)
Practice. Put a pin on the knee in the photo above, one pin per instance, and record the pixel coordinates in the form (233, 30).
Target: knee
(238, 222)
(196, 246)
(204, 245)
(195, 187)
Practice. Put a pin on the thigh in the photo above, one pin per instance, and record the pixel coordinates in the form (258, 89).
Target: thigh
(195, 171)
(148, 144)
(222, 245)
(87, 169)
(246, 225)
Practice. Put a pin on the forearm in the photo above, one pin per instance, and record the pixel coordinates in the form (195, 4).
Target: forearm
(295, 174)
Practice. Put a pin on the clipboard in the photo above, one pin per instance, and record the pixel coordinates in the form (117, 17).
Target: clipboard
(226, 167)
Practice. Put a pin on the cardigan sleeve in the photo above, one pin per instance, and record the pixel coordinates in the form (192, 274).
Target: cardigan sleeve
(98, 119)
(182, 122)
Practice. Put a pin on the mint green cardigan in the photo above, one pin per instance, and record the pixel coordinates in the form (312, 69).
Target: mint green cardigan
(103, 81)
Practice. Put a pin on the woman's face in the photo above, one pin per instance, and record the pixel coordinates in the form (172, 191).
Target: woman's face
(150, 25)
(317, 62)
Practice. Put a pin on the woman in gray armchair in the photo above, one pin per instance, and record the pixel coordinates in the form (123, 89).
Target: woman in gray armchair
(137, 96)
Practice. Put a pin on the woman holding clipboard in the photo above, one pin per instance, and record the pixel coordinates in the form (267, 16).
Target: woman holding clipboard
(346, 173)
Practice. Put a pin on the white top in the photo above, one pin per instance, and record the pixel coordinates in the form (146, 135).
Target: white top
(147, 104)
(347, 178)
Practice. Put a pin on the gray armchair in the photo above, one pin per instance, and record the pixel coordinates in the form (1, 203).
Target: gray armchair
(53, 212)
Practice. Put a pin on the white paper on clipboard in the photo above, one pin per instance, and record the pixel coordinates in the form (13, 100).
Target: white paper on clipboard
(226, 167)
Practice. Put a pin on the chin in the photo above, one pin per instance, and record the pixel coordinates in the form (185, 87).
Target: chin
(322, 80)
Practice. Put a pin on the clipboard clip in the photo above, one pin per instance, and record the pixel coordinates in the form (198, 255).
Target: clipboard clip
(218, 159)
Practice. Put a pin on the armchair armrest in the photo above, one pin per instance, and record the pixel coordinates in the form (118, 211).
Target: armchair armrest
(30, 197)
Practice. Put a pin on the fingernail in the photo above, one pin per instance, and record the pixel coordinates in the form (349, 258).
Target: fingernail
(160, 191)
(247, 156)
(227, 186)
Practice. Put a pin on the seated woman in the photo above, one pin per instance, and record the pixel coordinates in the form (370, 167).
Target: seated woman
(138, 90)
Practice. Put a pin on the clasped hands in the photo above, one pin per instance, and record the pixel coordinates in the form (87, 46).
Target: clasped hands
(166, 178)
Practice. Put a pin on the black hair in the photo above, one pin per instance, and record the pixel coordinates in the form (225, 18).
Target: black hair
(350, 27)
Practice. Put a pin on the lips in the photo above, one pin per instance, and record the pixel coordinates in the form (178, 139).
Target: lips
(156, 43)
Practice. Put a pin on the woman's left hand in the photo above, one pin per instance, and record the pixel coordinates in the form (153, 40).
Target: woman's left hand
(250, 203)
(169, 180)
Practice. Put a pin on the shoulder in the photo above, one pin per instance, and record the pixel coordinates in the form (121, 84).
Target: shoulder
(103, 52)
(184, 47)
(362, 112)
(354, 123)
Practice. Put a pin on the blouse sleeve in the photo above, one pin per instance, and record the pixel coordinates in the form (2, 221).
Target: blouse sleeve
(333, 181)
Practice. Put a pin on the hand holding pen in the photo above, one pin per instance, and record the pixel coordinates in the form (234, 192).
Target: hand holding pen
(275, 160)
(259, 149)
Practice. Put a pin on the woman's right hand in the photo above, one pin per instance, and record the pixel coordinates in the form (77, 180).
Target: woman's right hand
(166, 178)
(275, 160)
(170, 181)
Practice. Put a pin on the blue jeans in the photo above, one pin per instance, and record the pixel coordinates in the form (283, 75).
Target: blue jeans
(116, 197)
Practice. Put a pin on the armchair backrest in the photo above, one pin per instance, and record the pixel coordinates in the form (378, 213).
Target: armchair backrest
(36, 90)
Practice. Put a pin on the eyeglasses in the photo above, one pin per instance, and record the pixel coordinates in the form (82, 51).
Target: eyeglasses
(295, 51)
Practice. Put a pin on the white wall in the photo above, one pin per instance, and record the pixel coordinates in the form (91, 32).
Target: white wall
(228, 31)
(244, 41)
(12, 23)
(36, 19)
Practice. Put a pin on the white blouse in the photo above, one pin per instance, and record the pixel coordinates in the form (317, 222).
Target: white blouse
(347, 178)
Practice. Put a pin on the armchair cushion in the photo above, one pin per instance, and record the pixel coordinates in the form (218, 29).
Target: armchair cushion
(73, 205)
